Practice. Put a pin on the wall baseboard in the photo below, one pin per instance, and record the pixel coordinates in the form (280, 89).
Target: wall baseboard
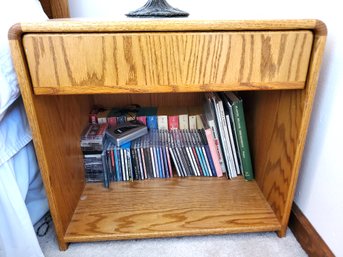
(306, 234)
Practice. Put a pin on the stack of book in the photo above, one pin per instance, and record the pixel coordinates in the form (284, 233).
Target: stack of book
(225, 115)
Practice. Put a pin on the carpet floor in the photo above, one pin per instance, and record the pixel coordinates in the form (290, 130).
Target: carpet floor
(237, 245)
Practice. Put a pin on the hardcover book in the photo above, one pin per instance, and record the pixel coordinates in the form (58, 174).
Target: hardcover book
(149, 114)
(241, 133)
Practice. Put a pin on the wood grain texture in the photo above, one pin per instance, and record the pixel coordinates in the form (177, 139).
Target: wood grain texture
(61, 121)
(173, 24)
(274, 119)
(278, 127)
(44, 163)
(170, 207)
(171, 99)
(261, 57)
(167, 62)
(306, 100)
(307, 235)
(47, 7)
(56, 8)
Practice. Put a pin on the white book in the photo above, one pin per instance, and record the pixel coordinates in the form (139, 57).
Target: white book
(183, 121)
(223, 130)
(192, 121)
(233, 148)
(162, 122)
(234, 129)
(122, 164)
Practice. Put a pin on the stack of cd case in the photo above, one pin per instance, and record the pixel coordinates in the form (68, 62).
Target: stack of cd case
(137, 154)
(156, 154)
(92, 144)
(93, 137)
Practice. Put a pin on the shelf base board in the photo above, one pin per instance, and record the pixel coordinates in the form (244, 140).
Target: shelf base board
(170, 208)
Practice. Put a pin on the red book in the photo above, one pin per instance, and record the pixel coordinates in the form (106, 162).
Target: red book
(142, 119)
(173, 122)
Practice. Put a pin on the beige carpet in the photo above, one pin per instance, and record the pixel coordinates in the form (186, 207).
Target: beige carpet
(245, 245)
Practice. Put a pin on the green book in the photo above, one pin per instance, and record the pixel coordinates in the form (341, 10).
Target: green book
(241, 134)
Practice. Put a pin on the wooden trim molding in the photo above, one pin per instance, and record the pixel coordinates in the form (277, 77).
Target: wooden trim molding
(56, 8)
(307, 235)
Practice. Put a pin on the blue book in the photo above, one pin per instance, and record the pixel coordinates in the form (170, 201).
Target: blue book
(151, 116)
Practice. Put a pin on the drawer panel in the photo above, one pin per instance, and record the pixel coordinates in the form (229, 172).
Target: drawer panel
(167, 62)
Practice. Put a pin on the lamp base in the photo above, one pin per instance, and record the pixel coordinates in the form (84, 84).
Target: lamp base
(157, 8)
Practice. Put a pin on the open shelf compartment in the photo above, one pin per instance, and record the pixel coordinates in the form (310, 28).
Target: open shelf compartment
(168, 208)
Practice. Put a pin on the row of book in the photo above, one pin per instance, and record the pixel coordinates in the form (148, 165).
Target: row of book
(164, 117)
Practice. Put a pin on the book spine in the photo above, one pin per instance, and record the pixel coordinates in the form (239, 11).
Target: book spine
(195, 154)
(138, 145)
(208, 152)
(112, 121)
(162, 122)
(105, 169)
(166, 136)
(129, 164)
(202, 151)
(189, 154)
(134, 161)
(190, 145)
(173, 122)
(180, 161)
(200, 124)
(144, 161)
(151, 122)
(176, 163)
(243, 140)
(233, 148)
(183, 121)
(142, 119)
(114, 163)
(214, 152)
(147, 156)
(192, 121)
(121, 119)
(164, 156)
(122, 160)
(119, 169)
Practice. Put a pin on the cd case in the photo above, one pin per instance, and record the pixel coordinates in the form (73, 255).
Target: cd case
(126, 132)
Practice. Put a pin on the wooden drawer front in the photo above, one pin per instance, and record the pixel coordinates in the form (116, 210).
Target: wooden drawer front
(167, 62)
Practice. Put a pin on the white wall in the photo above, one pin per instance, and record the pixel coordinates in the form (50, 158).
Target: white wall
(320, 191)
